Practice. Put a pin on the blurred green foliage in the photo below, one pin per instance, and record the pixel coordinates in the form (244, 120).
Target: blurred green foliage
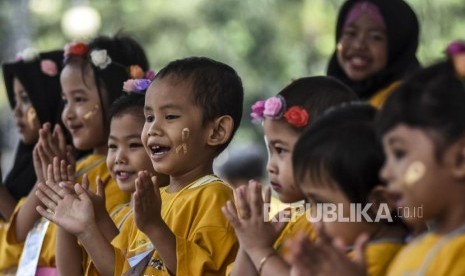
(269, 42)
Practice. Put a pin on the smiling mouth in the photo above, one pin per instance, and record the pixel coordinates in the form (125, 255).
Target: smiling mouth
(159, 150)
(123, 175)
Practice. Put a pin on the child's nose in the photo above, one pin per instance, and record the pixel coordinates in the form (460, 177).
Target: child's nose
(359, 42)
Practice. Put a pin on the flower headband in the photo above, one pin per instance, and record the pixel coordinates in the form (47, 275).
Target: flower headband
(138, 86)
(100, 59)
(47, 66)
(275, 108)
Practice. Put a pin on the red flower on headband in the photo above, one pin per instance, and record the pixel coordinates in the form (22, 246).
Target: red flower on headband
(79, 49)
(297, 116)
(75, 49)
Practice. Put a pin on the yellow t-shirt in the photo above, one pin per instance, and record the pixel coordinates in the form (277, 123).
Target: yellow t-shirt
(379, 255)
(298, 224)
(9, 254)
(205, 241)
(431, 254)
(94, 165)
(121, 216)
(380, 97)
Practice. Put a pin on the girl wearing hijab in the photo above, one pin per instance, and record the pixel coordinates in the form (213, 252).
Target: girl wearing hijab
(376, 48)
(34, 93)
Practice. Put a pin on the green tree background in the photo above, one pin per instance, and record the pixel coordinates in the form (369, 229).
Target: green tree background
(269, 42)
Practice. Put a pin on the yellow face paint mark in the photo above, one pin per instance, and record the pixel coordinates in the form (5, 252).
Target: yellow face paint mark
(184, 137)
(415, 172)
(91, 113)
(31, 116)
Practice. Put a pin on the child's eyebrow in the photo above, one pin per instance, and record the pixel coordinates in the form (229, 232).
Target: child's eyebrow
(170, 106)
(147, 108)
(76, 91)
(277, 141)
(394, 140)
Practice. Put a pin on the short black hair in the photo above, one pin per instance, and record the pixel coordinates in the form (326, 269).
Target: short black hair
(342, 145)
(216, 87)
(433, 99)
(132, 104)
(316, 94)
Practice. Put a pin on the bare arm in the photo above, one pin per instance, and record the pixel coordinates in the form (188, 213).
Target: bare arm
(7, 202)
(147, 215)
(243, 266)
(68, 254)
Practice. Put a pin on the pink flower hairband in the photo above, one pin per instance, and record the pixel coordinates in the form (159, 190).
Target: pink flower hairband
(275, 108)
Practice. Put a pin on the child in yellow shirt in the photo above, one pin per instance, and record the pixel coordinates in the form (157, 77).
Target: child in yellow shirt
(424, 137)
(192, 110)
(336, 164)
(285, 117)
(125, 158)
(91, 80)
(34, 95)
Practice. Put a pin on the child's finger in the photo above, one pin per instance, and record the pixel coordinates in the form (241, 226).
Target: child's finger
(243, 208)
(359, 249)
(230, 213)
(156, 185)
(69, 156)
(256, 201)
(50, 176)
(56, 169)
(100, 188)
(60, 138)
(70, 172)
(50, 215)
(65, 188)
(267, 195)
(63, 171)
(43, 159)
(81, 193)
(85, 182)
(45, 199)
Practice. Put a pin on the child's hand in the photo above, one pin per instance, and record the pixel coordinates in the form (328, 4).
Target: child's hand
(74, 213)
(50, 145)
(98, 199)
(147, 203)
(256, 235)
(325, 256)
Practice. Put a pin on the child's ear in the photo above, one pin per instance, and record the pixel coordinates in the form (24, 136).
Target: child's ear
(221, 131)
(458, 168)
(380, 195)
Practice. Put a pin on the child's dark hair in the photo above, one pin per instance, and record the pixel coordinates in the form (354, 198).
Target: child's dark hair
(433, 100)
(316, 94)
(124, 52)
(216, 87)
(132, 104)
(341, 146)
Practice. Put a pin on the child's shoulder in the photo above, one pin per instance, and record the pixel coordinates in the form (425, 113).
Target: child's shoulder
(434, 254)
(209, 183)
(89, 163)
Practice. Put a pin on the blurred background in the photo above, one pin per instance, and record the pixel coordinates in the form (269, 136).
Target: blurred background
(269, 42)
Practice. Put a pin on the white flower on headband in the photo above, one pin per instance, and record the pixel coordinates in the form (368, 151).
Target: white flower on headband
(100, 58)
(28, 55)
